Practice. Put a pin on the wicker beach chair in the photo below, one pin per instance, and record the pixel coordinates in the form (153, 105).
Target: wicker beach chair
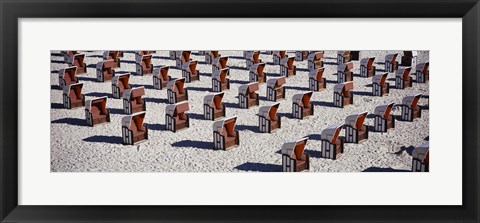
(112, 55)
(190, 72)
(182, 57)
(105, 71)
(301, 55)
(133, 101)
(343, 57)
(143, 64)
(67, 76)
(275, 88)
(355, 130)
(256, 73)
(422, 72)
(225, 136)
(301, 106)
(294, 159)
(278, 56)
(379, 85)
(176, 91)
(210, 56)
(391, 64)
(161, 77)
(72, 96)
(96, 111)
(247, 96)
(383, 120)
(345, 72)
(410, 108)
(220, 81)
(316, 81)
(342, 95)
(213, 107)
(402, 78)
(252, 57)
(175, 116)
(78, 61)
(133, 129)
(366, 67)
(420, 158)
(315, 60)
(219, 63)
(287, 68)
(332, 145)
(409, 59)
(268, 120)
(119, 84)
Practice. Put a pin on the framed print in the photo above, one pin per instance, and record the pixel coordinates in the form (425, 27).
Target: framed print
(155, 109)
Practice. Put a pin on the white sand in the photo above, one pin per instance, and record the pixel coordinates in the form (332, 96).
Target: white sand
(76, 147)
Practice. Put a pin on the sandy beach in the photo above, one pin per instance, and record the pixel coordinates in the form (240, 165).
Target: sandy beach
(76, 147)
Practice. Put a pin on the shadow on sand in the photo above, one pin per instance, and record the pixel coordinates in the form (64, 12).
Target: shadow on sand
(194, 144)
(259, 167)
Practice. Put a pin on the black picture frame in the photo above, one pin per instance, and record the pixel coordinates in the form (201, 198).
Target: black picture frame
(12, 10)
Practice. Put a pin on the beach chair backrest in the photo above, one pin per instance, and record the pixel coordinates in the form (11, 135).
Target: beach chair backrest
(348, 66)
(147, 59)
(384, 110)
(290, 62)
(331, 133)
(411, 101)
(252, 87)
(78, 59)
(282, 54)
(255, 56)
(272, 113)
(404, 72)
(75, 90)
(98, 105)
(380, 78)
(294, 149)
(306, 99)
(260, 68)
(360, 119)
(192, 66)
(138, 120)
(69, 73)
(223, 62)
(217, 100)
(186, 55)
(391, 57)
(423, 67)
(300, 147)
(123, 81)
(214, 54)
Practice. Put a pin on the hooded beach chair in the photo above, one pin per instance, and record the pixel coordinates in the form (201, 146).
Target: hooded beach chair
(161, 77)
(315, 60)
(420, 158)
(380, 85)
(225, 136)
(409, 59)
(316, 81)
(68, 56)
(345, 72)
(78, 61)
(190, 72)
(119, 84)
(422, 72)
(182, 57)
(287, 68)
(175, 117)
(96, 111)
(301, 55)
(72, 96)
(410, 108)
(112, 55)
(247, 96)
(355, 130)
(332, 145)
(301, 106)
(176, 91)
(347, 56)
(213, 107)
(210, 56)
(391, 64)
(268, 120)
(252, 57)
(133, 129)
(143, 64)
(133, 101)
(293, 157)
(402, 78)
(366, 67)
(66, 76)
(342, 95)
(383, 120)
(219, 63)
(220, 81)
(256, 73)
(105, 71)
(278, 56)
(275, 88)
